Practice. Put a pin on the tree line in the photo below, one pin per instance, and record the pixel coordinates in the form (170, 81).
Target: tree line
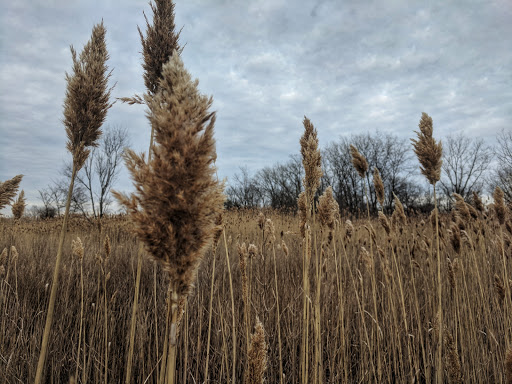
(469, 165)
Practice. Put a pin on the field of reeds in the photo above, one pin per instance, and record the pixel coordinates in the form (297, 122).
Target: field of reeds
(377, 297)
(181, 290)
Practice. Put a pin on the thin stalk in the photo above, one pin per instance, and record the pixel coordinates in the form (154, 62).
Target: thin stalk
(137, 287)
(374, 285)
(210, 318)
(55, 283)
(81, 316)
(439, 368)
(171, 358)
(134, 315)
(163, 363)
(232, 306)
(278, 318)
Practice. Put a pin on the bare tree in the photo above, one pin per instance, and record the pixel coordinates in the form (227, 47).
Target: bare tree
(99, 173)
(243, 191)
(502, 175)
(464, 162)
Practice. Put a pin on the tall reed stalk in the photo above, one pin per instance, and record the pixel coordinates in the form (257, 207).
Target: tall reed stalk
(85, 109)
(159, 44)
(429, 153)
(177, 197)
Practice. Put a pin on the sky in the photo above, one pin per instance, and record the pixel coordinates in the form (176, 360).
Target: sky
(349, 66)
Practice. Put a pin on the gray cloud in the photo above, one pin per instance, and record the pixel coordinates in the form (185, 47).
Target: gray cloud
(349, 66)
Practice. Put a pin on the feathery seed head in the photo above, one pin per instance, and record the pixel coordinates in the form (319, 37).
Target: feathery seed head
(428, 151)
(19, 205)
(499, 205)
(87, 96)
(160, 42)
(379, 186)
(106, 246)
(256, 356)
(77, 248)
(8, 190)
(398, 217)
(384, 222)
(14, 253)
(177, 198)
(311, 160)
(478, 202)
(328, 209)
(252, 251)
(359, 161)
(461, 207)
(303, 209)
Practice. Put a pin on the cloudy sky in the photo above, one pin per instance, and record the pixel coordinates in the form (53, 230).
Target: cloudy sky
(350, 66)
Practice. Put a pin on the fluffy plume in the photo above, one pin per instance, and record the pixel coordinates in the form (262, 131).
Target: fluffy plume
(383, 220)
(328, 209)
(379, 186)
(87, 96)
(428, 151)
(19, 205)
(77, 248)
(301, 202)
(455, 237)
(311, 160)
(349, 229)
(359, 161)
(177, 199)
(461, 207)
(453, 363)
(8, 190)
(242, 262)
(257, 356)
(160, 43)
(398, 217)
(499, 205)
(478, 202)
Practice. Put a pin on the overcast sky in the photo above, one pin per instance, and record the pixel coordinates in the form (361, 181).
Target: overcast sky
(350, 66)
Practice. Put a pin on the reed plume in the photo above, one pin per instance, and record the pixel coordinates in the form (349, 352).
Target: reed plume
(328, 209)
(87, 96)
(379, 186)
(177, 198)
(85, 109)
(359, 161)
(312, 162)
(478, 202)
(499, 205)
(19, 205)
(462, 207)
(257, 356)
(160, 43)
(429, 153)
(8, 190)
(453, 361)
(398, 217)
(428, 150)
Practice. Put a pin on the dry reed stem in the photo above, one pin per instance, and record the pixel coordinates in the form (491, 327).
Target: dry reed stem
(85, 109)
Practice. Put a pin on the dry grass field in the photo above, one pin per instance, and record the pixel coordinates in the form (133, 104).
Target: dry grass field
(377, 301)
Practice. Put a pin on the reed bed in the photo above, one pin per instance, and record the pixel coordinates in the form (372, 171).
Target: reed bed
(93, 344)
